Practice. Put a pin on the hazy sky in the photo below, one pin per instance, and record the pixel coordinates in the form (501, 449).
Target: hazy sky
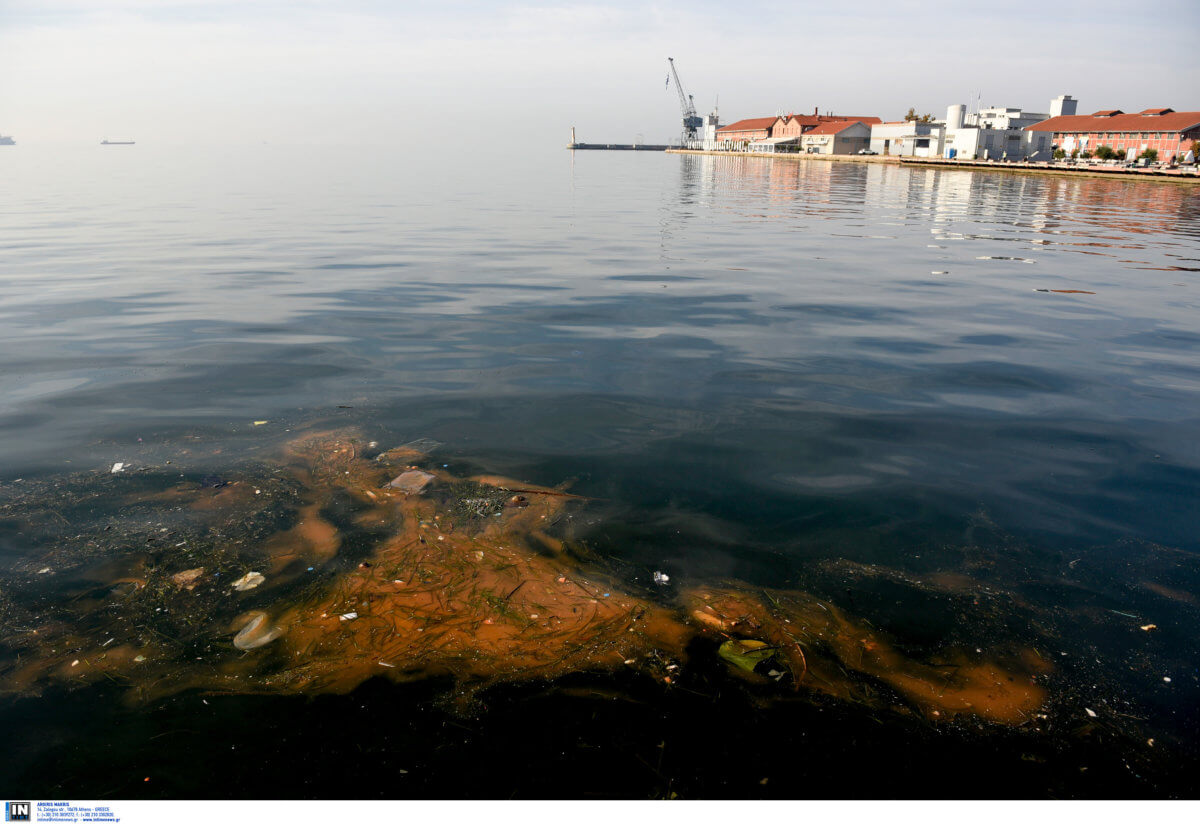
(354, 71)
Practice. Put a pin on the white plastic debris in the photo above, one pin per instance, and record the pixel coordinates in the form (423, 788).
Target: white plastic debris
(1091, 713)
(661, 578)
(349, 616)
(248, 581)
(45, 571)
(258, 632)
(118, 467)
(412, 481)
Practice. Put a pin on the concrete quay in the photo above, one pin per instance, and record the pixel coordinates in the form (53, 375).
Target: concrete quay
(1183, 175)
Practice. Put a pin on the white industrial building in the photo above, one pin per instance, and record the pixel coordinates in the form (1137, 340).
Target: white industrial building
(994, 133)
(908, 138)
(998, 133)
(708, 134)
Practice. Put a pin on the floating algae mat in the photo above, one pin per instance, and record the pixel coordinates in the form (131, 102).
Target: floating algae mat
(337, 564)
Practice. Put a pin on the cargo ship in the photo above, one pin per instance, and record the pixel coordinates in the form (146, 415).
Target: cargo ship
(116, 142)
(7, 141)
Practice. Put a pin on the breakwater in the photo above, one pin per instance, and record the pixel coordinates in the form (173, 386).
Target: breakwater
(621, 147)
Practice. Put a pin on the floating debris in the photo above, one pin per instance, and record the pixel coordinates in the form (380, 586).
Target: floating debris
(248, 581)
(412, 481)
(1091, 713)
(661, 578)
(1148, 627)
(258, 632)
(466, 605)
(118, 467)
(188, 578)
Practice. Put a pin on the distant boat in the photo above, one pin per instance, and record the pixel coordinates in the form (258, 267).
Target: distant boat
(7, 141)
(116, 142)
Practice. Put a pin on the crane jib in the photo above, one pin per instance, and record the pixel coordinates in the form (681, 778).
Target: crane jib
(691, 121)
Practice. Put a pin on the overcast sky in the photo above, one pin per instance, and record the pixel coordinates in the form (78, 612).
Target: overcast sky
(359, 71)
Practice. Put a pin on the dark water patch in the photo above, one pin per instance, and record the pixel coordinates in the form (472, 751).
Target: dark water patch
(619, 741)
(842, 312)
(659, 278)
(360, 265)
(990, 340)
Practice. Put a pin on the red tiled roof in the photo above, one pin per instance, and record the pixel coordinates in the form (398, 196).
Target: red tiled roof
(832, 127)
(753, 124)
(814, 119)
(1172, 121)
(802, 119)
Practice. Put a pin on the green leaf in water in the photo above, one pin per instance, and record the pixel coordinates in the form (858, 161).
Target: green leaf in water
(746, 653)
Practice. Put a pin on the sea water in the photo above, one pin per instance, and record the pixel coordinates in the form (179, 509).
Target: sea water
(950, 403)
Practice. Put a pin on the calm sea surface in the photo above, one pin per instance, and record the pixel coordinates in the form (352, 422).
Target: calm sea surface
(848, 378)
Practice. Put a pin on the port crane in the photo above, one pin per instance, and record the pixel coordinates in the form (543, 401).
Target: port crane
(691, 121)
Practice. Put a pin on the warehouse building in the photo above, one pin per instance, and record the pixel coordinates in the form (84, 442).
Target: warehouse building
(1167, 131)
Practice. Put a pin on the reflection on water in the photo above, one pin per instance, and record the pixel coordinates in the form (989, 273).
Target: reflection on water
(919, 431)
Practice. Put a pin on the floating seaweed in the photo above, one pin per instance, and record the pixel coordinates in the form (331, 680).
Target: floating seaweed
(422, 574)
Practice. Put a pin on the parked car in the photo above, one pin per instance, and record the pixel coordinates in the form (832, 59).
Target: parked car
(866, 151)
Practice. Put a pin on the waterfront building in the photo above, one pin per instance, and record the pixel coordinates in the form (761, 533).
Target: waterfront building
(1167, 131)
(1000, 132)
(836, 137)
(796, 125)
(739, 135)
(708, 135)
(773, 145)
(780, 133)
(908, 138)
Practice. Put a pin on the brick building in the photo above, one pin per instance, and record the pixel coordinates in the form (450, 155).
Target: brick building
(740, 134)
(795, 125)
(1169, 132)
